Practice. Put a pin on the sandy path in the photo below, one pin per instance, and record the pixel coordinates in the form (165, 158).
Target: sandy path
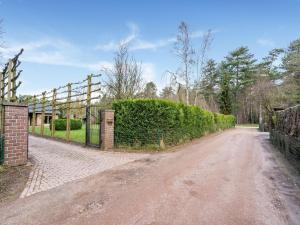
(219, 179)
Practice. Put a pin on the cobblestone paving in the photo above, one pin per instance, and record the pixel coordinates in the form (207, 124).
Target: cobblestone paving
(56, 163)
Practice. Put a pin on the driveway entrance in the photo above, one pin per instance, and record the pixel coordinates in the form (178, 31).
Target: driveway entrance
(57, 163)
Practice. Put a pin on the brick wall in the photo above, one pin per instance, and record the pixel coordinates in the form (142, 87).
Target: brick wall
(15, 119)
(107, 129)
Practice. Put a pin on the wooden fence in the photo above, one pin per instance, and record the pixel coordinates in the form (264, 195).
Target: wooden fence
(9, 79)
(66, 101)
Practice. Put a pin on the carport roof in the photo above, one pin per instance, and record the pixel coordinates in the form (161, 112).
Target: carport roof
(38, 106)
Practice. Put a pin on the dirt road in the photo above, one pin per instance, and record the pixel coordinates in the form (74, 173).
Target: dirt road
(230, 178)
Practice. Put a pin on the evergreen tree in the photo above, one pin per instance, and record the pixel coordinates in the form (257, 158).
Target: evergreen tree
(150, 90)
(209, 81)
(268, 65)
(225, 98)
(167, 93)
(240, 66)
(291, 65)
(291, 61)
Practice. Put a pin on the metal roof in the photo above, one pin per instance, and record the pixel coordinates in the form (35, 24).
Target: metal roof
(38, 106)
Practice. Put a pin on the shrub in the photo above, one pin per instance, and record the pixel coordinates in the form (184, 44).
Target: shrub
(61, 124)
(145, 122)
(223, 121)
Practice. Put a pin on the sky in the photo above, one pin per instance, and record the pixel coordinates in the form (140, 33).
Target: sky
(65, 40)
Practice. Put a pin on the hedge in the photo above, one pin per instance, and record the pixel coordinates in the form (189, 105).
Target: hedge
(146, 122)
(61, 124)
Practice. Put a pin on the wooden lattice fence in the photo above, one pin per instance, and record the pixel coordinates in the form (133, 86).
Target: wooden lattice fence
(9, 79)
(68, 101)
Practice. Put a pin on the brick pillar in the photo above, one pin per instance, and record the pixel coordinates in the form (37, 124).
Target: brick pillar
(15, 121)
(107, 129)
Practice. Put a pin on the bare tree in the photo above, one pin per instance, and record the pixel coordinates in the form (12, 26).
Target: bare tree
(124, 80)
(201, 60)
(186, 53)
(202, 52)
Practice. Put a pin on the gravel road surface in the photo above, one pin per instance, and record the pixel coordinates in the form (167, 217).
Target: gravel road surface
(234, 177)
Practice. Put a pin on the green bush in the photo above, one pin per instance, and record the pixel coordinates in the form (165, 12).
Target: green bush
(223, 121)
(61, 124)
(145, 122)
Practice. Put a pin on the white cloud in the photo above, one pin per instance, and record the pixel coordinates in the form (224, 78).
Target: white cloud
(51, 51)
(149, 73)
(138, 44)
(197, 34)
(265, 42)
(113, 45)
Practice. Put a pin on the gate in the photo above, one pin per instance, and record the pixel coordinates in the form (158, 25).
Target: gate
(93, 127)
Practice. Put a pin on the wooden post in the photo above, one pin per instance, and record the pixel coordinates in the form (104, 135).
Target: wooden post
(13, 83)
(89, 90)
(33, 115)
(68, 112)
(1, 85)
(53, 112)
(43, 113)
(9, 71)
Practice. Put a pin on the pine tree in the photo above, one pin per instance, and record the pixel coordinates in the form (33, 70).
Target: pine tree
(225, 97)
(291, 65)
(150, 90)
(240, 66)
(209, 80)
(167, 93)
(268, 67)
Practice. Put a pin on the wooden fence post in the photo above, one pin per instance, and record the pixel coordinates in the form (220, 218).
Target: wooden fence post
(13, 82)
(89, 90)
(1, 85)
(33, 115)
(9, 71)
(68, 112)
(53, 112)
(43, 113)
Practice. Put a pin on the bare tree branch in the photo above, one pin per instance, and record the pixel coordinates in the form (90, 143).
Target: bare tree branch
(201, 54)
(185, 52)
(124, 80)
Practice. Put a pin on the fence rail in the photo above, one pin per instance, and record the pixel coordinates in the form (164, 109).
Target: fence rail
(9, 79)
(67, 101)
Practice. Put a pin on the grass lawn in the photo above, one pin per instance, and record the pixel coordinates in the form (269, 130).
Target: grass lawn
(75, 135)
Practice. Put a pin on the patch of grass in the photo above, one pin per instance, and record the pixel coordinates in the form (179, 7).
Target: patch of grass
(75, 135)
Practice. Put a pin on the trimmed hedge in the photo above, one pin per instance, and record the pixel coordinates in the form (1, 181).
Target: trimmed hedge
(145, 122)
(61, 124)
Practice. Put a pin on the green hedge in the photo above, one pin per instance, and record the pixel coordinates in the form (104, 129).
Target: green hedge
(61, 124)
(145, 122)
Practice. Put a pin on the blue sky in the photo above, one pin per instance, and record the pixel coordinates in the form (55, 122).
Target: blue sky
(66, 40)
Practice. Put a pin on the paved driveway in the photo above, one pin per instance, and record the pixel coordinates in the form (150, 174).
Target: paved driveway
(231, 178)
(57, 163)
